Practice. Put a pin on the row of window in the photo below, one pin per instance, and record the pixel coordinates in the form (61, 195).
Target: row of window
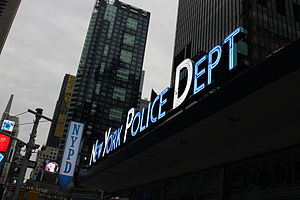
(281, 7)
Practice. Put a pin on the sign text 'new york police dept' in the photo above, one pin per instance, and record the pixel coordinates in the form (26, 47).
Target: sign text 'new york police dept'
(198, 76)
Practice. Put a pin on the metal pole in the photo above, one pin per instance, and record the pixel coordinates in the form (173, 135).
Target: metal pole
(30, 144)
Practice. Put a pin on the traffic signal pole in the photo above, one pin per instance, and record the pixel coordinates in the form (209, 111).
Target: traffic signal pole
(29, 147)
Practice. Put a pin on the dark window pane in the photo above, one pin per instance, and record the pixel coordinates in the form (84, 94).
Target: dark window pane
(280, 7)
(296, 8)
(262, 2)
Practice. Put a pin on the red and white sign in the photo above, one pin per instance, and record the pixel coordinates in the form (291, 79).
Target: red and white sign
(4, 142)
(51, 167)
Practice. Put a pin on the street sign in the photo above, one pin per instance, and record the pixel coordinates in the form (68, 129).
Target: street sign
(8, 125)
(70, 154)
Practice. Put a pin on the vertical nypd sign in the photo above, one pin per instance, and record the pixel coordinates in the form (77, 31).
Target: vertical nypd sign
(70, 154)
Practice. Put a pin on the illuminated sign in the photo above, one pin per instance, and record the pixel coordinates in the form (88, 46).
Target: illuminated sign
(70, 154)
(4, 142)
(198, 77)
(63, 109)
(51, 167)
(8, 125)
(1, 158)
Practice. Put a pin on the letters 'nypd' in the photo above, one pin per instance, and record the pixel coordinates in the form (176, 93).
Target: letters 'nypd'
(70, 154)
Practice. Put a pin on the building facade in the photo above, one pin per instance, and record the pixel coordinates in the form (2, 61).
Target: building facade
(239, 141)
(110, 74)
(271, 24)
(60, 112)
(8, 10)
(234, 138)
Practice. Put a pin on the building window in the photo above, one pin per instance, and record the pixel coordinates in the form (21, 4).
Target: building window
(110, 30)
(102, 67)
(280, 7)
(110, 13)
(129, 39)
(296, 8)
(131, 23)
(119, 93)
(116, 114)
(105, 50)
(123, 74)
(97, 89)
(126, 56)
(262, 2)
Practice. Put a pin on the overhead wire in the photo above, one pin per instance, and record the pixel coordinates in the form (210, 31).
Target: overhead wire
(20, 114)
(31, 123)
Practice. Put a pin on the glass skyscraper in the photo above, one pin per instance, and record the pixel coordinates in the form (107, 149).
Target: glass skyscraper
(201, 24)
(8, 10)
(109, 77)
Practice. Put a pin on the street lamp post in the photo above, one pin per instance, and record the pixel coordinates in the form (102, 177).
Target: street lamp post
(29, 147)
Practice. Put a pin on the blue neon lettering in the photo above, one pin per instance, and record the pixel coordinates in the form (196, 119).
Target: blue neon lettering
(153, 119)
(134, 132)
(99, 150)
(211, 65)
(114, 140)
(232, 48)
(130, 116)
(148, 114)
(94, 153)
(106, 136)
(109, 144)
(118, 142)
(198, 74)
(142, 127)
(161, 103)
(136, 121)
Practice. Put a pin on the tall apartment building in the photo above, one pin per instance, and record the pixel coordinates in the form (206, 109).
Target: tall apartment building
(60, 112)
(110, 74)
(8, 10)
(201, 24)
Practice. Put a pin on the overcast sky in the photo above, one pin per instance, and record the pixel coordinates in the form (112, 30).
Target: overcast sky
(45, 42)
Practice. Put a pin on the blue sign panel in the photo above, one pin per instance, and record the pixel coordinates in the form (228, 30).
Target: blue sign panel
(70, 154)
